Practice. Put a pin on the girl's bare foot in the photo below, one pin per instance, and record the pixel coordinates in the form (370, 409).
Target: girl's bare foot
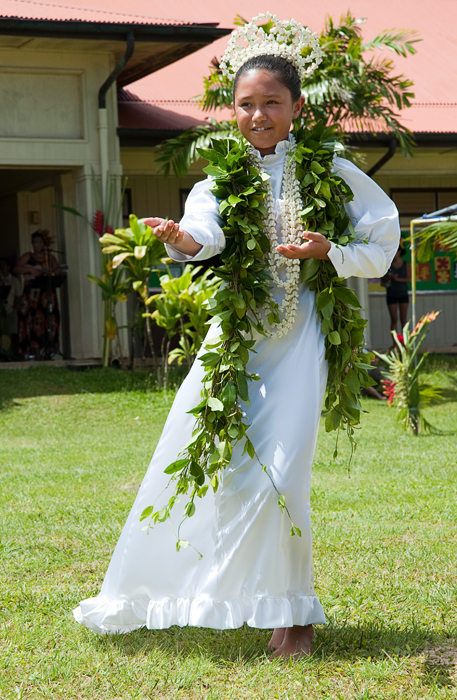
(277, 638)
(298, 642)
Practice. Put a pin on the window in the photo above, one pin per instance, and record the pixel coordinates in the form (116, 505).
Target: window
(412, 203)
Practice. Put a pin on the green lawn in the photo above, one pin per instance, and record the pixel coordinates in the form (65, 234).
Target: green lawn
(73, 449)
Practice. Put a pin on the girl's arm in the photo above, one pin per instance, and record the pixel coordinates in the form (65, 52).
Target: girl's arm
(375, 220)
(199, 234)
(168, 232)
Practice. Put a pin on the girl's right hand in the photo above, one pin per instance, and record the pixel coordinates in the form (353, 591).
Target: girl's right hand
(165, 231)
(169, 232)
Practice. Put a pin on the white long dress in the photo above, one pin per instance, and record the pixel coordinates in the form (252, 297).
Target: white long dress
(252, 570)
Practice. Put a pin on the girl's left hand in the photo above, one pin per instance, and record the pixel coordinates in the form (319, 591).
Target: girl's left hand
(317, 246)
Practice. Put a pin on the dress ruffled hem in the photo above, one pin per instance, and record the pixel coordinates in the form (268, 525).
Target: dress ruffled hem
(107, 616)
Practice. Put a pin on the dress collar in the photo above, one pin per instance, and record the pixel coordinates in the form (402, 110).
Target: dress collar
(281, 149)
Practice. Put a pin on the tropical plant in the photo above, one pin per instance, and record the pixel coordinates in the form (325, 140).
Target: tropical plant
(112, 285)
(443, 233)
(352, 88)
(403, 386)
(181, 309)
(114, 288)
(139, 252)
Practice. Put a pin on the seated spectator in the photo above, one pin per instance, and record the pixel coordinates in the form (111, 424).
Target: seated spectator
(376, 374)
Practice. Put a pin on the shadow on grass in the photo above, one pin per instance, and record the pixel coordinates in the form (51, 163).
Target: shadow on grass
(370, 641)
(448, 395)
(51, 381)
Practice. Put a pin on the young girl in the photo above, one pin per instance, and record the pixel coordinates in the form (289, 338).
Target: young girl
(251, 571)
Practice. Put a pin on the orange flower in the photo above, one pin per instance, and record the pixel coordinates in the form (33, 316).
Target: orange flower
(428, 318)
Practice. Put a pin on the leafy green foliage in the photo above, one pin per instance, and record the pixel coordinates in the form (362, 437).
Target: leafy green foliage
(244, 285)
(137, 249)
(181, 308)
(356, 90)
(245, 290)
(324, 195)
(444, 233)
(180, 152)
(352, 89)
(408, 395)
(139, 252)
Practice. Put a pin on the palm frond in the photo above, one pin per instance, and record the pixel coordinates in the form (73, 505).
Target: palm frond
(351, 87)
(240, 21)
(444, 233)
(398, 40)
(217, 89)
(180, 152)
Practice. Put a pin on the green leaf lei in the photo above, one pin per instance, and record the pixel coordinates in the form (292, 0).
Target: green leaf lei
(245, 289)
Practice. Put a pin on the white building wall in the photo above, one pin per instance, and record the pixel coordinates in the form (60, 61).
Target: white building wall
(49, 120)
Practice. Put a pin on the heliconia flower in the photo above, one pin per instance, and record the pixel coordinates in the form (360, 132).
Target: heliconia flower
(97, 223)
(428, 318)
(401, 339)
(109, 229)
(389, 390)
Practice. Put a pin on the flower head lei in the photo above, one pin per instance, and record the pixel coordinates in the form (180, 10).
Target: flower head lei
(266, 35)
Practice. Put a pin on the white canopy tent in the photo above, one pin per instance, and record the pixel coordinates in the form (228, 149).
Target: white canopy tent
(447, 214)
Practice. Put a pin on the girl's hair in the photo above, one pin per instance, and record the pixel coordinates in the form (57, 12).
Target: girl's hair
(284, 71)
(38, 234)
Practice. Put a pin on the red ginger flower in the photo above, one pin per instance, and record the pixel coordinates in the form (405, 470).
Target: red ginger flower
(97, 223)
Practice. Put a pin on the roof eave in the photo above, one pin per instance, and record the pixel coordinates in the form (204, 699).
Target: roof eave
(424, 139)
(138, 138)
(177, 41)
(152, 137)
(111, 31)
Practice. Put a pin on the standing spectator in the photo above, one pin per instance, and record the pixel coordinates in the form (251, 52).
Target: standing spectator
(39, 316)
(396, 282)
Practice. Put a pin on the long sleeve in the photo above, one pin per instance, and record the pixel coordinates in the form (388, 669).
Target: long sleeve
(375, 219)
(202, 220)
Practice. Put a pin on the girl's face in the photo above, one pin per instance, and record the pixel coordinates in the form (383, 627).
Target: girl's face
(264, 109)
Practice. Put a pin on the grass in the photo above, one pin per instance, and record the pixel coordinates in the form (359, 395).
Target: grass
(73, 449)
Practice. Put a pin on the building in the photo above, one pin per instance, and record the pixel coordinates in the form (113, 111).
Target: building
(54, 60)
(58, 130)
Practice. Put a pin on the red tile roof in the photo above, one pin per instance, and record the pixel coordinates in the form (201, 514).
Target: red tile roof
(135, 114)
(112, 11)
(432, 69)
(169, 90)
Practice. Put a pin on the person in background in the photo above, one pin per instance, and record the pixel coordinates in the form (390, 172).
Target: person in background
(10, 294)
(396, 282)
(375, 373)
(39, 316)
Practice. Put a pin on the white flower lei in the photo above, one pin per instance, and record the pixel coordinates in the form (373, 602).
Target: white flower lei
(292, 233)
(285, 38)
